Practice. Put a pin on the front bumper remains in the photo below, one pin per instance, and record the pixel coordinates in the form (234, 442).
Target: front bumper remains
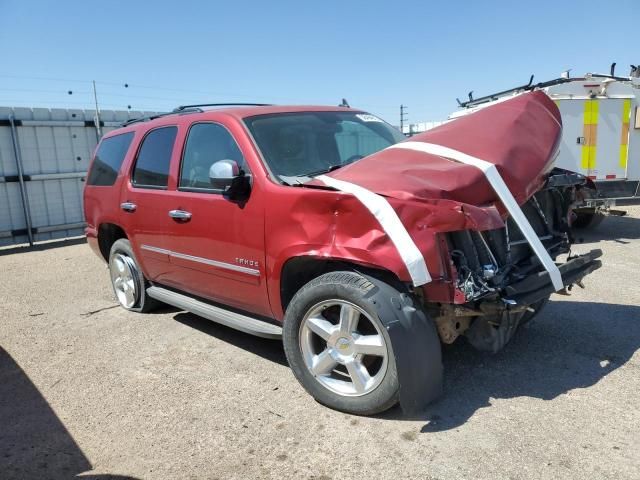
(539, 286)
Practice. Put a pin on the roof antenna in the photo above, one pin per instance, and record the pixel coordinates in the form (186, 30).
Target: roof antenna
(565, 74)
(612, 72)
(470, 96)
(344, 103)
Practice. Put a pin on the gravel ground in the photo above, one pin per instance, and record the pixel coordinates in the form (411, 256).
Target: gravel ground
(88, 388)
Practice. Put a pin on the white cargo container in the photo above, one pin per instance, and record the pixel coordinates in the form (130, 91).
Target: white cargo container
(601, 135)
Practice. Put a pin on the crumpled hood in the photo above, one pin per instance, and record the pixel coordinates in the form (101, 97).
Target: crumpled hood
(520, 136)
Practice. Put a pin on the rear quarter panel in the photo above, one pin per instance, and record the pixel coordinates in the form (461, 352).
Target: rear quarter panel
(102, 203)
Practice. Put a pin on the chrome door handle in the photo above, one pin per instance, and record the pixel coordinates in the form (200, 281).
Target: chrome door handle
(128, 206)
(180, 215)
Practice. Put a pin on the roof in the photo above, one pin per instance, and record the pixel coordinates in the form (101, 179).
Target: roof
(237, 112)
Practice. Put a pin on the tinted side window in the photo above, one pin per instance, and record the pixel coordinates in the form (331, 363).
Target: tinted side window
(108, 160)
(152, 165)
(206, 144)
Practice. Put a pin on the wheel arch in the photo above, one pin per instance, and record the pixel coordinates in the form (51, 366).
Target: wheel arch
(108, 234)
(300, 270)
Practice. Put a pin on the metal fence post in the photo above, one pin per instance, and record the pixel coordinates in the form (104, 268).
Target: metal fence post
(23, 190)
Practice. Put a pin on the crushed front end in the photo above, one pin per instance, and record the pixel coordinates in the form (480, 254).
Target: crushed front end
(501, 281)
(491, 216)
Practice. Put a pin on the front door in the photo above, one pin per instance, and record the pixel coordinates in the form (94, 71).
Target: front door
(216, 245)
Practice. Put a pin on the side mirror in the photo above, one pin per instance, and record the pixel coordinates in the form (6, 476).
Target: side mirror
(227, 176)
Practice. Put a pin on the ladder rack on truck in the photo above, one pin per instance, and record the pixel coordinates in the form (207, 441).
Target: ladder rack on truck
(601, 135)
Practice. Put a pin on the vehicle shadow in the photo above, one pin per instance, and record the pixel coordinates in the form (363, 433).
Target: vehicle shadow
(570, 345)
(612, 228)
(34, 443)
(271, 350)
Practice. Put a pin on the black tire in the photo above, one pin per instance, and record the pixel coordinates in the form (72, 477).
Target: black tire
(490, 333)
(143, 303)
(357, 290)
(587, 220)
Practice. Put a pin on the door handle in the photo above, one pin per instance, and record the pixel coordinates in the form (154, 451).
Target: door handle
(180, 215)
(128, 206)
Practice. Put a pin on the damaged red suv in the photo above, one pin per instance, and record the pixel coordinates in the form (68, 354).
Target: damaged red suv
(324, 226)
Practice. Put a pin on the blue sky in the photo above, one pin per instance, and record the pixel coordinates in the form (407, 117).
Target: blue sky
(376, 54)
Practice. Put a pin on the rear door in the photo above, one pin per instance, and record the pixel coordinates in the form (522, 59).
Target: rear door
(613, 138)
(145, 200)
(595, 137)
(574, 148)
(217, 248)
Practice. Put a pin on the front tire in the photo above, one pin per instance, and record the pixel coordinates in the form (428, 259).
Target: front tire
(588, 220)
(337, 346)
(127, 280)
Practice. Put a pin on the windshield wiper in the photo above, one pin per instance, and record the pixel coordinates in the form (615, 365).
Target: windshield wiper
(330, 168)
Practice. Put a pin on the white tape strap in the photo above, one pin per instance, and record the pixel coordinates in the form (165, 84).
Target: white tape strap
(500, 187)
(391, 224)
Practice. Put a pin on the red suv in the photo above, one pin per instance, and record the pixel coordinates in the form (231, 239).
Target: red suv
(325, 227)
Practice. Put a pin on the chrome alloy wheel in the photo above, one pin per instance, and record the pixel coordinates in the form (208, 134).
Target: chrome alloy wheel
(343, 348)
(124, 278)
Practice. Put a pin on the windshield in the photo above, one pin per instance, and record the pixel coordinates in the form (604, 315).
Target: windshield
(304, 144)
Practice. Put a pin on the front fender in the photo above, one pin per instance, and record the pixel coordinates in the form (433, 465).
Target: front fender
(327, 224)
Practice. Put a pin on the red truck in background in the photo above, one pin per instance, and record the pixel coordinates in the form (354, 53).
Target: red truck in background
(325, 227)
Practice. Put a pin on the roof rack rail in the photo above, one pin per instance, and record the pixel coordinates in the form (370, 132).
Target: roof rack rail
(612, 74)
(472, 102)
(192, 109)
(613, 77)
(144, 119)
(182, 108)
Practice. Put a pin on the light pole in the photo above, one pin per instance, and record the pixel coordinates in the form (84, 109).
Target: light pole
(97, 119)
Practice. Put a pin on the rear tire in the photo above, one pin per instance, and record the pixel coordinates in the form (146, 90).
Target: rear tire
(128, 282)
(337, 346)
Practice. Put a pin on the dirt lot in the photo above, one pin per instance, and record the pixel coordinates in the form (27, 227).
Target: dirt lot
(88, 387)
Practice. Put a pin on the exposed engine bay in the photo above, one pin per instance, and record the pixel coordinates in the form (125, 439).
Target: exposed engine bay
(503, 282)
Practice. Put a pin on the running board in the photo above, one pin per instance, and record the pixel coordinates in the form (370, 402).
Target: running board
(231, 319)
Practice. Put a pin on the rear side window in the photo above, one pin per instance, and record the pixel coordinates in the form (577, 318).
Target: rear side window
(154, 157)
(108, 159)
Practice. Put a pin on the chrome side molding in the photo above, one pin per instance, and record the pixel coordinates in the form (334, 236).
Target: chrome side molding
(207, 261)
